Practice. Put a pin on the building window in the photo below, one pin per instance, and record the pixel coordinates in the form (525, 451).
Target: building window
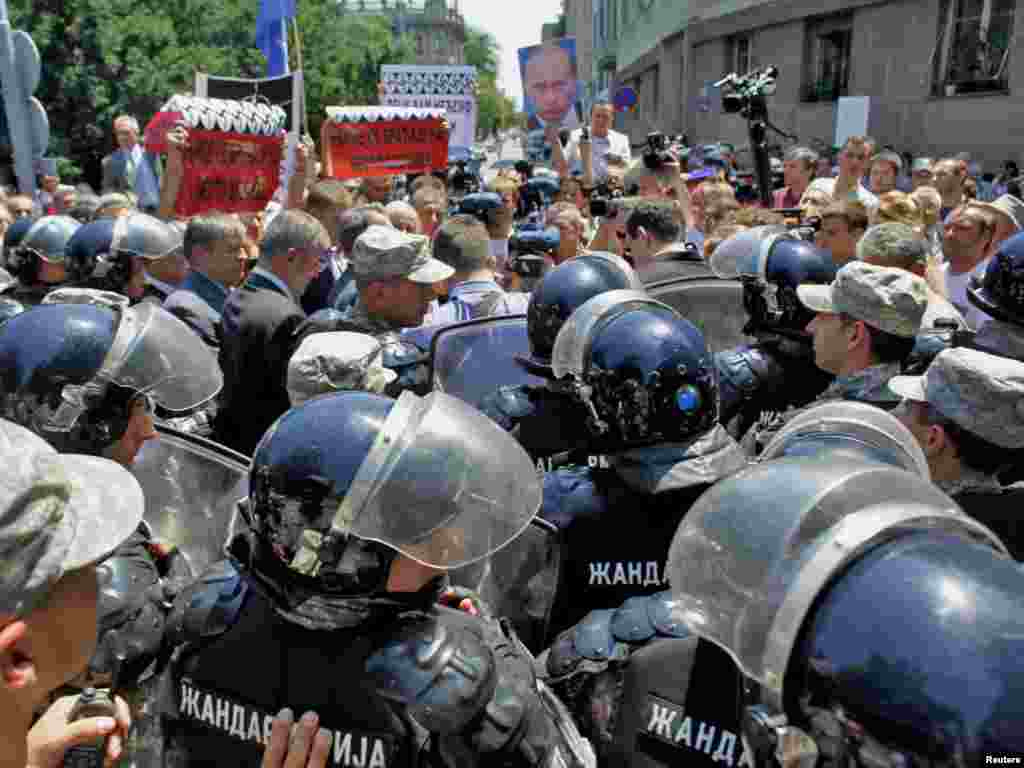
(739, 54)
(973, 50)
(827, 57)
(421, 48)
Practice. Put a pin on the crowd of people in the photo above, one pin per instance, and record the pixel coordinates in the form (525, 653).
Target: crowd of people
(664, 527)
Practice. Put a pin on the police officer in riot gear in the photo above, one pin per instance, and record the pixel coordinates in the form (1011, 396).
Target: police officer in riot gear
(84, 371)
(646, 382)
(777, 372)
(649, 690)
(548, 423)
(109, 254)
(38, 259)
(1000, 293)
(358, 505)
(800, 572)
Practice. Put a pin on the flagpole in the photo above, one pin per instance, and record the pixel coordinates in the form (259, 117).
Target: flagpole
(298, 61)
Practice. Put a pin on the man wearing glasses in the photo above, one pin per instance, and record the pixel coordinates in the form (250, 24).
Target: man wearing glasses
(258, 322)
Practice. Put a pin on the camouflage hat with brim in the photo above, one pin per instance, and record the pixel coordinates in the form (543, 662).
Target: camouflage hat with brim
(889, 299)
(981, 393)
(335, 361)
(384, 253)
(58, 513)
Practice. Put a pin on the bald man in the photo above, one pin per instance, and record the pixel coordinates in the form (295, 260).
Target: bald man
(550, 81)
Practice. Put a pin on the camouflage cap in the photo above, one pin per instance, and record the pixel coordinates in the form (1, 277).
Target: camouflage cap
(58, 513)
(384, 253)
(335, 361)
(889, 299)
(981, 393)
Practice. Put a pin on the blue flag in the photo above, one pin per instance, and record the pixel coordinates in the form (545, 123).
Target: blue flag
(272, 34)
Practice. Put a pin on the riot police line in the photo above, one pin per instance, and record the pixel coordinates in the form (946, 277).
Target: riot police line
(767, 631)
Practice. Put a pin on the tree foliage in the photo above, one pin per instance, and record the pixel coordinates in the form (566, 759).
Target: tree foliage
(102, 58)
(494, 109)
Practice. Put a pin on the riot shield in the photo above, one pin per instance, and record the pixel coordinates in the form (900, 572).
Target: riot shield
(519, 582)
(471, 360)
(191, 486)
(712, 304)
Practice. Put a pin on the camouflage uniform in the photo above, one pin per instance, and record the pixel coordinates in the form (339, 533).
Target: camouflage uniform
(870, 385)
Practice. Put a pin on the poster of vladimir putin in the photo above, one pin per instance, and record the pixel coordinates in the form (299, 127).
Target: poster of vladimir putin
(550, 83)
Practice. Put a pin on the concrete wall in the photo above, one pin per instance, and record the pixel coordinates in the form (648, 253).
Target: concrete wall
(892, 43)
(645, 27)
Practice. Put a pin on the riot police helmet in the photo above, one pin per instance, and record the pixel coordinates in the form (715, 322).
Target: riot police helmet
(643, 372)
(844, 429)
(344, 482)
(862, 602)
(109, 253)
(771, 263)
(481, 204)
(73, 372)
(564, 289)
(44, 242)
(1000, 291)
(15, 233)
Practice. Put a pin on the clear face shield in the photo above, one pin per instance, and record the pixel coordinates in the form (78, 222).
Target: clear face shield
(756, 550)
(154, 354)
(442, 484)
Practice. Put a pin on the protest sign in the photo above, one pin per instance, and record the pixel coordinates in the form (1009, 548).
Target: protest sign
(452, 89)
(285, 91)
(381, 141)
(233, 156)
(550, 84)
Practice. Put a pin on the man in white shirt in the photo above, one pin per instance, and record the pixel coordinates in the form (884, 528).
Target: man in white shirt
(969, 229)
(853, 161)
(131, 168)
(603, 142)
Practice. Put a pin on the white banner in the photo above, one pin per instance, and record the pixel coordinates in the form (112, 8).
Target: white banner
(452, 89)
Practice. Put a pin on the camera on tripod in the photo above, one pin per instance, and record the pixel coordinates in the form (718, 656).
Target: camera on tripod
(747, 93)
(601, 200)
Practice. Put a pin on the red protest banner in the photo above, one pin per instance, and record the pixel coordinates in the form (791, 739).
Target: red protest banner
(230, 172)
(384, 147)
(156, 130)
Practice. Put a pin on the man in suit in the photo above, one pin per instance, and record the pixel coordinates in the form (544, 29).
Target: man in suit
(131, 168)
(258, 324)
(213, 249)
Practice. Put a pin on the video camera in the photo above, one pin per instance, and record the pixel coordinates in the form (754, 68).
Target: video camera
(748, 93)
(658, 150)
(601, 200)
(462, 181)
(529, 253)
(480, 204)
(807, 229)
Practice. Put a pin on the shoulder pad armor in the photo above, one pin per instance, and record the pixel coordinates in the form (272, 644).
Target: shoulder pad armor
(610, 635)
(442, 671)
(210, 606)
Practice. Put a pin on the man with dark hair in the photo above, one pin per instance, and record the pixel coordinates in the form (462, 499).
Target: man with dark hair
(853, 161)
(967, 414)
(351, 224)
(653, 232)
(462, 243)
(842, 225)
(327, 200)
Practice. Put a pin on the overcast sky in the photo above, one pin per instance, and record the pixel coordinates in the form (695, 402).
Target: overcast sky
(514, 24)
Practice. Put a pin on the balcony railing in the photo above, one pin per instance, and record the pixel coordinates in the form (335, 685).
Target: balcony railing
(405, 7)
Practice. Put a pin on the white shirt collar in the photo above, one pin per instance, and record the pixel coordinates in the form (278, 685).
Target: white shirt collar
(268, 275)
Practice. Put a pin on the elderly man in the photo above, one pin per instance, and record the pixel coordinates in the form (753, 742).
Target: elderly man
(131, 168)
(258, 322)
(462, 243)
(550, 82)
(967, 413)
(798, 168)
(885, 170)
(853, 161)
(898, 246)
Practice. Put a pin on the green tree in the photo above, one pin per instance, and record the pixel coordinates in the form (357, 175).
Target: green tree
(102, 58)
(494, 108)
